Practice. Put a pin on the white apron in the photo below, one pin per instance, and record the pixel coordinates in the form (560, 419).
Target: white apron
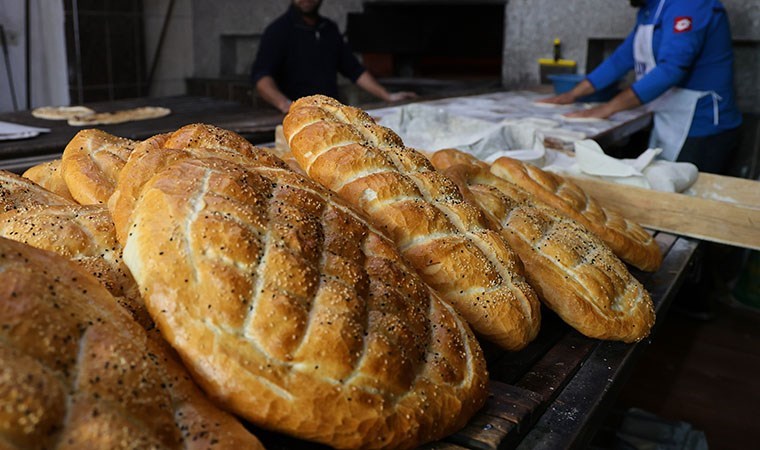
(673, 110)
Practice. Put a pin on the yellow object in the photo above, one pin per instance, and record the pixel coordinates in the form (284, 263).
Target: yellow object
(559, 62)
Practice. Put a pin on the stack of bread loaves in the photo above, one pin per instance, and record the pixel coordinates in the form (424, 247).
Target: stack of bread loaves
(441, 229)
(287, 307)
(155, 287)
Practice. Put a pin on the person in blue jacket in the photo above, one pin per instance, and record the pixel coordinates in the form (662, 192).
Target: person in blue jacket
(301, 53)
(682, 56)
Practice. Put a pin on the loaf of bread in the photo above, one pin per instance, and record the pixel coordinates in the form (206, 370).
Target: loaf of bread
(572, 270)
(202, 139)
(77, 372)
(288, 308)
(448, 240)
(84, 234)
(627, 239)
(48, 175)
(91, 163)
(19, 193)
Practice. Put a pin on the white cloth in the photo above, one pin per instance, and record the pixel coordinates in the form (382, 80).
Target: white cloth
(10, 131)
(644, 171)
(431, 128)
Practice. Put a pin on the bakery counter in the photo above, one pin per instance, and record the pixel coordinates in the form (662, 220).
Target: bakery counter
(555, 392)
(255, 124)
(258, 124)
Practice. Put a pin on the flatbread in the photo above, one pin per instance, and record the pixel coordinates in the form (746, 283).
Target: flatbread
(581, 119)
(548, 105)
(125, 115)
(61, 112)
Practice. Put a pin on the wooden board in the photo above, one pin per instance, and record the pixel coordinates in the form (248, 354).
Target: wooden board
(707, 219)
(726, 189)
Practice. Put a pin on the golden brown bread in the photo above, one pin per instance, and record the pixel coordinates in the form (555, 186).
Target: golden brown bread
(288, 308)
(84, 234)
(48, 175)
(91, 163)
(200, 138)
(18, 193)
(77, 372)
(446, 239)
(572, 270)
(627, 239)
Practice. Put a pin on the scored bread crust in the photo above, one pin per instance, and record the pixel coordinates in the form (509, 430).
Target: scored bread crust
(627, 239)
(288, 308)
(19, 193)
(91, 163)
(85, 235)
(445, 238)
(48, 175)
(147, 159)
(80, 373)
(572, 270)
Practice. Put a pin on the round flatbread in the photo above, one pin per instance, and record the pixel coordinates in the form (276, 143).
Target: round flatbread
(61, 112)
(125, 115)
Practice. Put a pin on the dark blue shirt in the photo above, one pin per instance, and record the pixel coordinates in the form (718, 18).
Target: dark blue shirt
(304, 59)
(692, 48)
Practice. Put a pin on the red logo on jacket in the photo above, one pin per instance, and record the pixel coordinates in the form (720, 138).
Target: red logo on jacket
(682, 24)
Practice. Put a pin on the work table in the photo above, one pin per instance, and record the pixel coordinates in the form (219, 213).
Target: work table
(255, 124)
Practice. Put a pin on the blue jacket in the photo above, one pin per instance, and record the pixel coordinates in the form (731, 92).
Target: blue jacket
(692, 47)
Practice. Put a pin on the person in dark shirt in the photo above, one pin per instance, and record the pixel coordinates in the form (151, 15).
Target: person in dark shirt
(301, 53)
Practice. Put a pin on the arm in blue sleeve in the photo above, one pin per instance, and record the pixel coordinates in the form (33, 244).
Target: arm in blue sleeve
(677, 50)
(614, 67)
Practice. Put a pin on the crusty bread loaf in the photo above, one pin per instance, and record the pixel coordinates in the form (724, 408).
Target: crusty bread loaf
(85, 235)
(446, 239)
(147, 159)
(77, 372)
(18, 193)
(627, 239)
(288, 308)
(48, 175)
(572, 270)
(91, 163)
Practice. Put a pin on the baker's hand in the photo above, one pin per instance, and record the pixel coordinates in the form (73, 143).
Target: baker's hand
(599, 112)
(561, 99)
(403, 95)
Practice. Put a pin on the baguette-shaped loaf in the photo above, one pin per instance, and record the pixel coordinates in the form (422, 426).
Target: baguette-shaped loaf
(48, 175)
(91, 163)
(448, 240)
(76, 372)
(19, 193)
(288, 308)
(627, 239)
(84, 234)
(572, 270)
